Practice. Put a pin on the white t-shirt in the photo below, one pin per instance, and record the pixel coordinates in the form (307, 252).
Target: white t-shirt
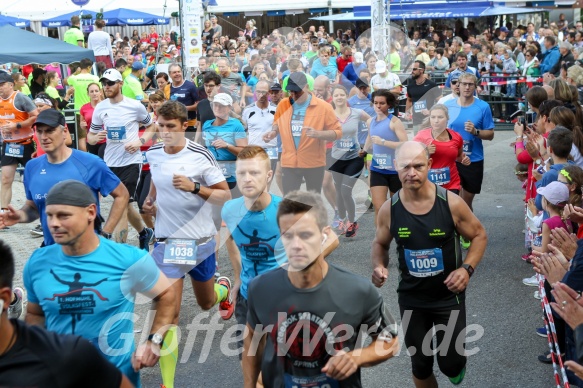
(390, 81)
(181, 214)
(444, 99)
(99, 42)
(122, 122)
(259, 121)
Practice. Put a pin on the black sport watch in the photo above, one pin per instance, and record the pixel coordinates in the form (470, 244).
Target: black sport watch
(196, 188)
(107, 235)
(468, 268)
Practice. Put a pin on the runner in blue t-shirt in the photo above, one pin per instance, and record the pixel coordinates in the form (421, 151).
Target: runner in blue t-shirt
(60, 163)
(472, 119)
(87, 285)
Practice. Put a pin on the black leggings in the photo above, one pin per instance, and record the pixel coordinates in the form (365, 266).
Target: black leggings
(293, 177)
(143, 188)
(345, 174)
(418, 339)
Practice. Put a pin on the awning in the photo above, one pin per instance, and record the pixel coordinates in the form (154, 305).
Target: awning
(431, 11)
(116, 17)
(16, 22)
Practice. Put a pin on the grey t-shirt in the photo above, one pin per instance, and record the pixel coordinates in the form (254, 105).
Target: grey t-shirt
(303, 325)
(233, 83)
(347, 147)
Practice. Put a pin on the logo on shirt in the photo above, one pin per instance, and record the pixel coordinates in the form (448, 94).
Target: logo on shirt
(79, 299)
(436, 233)
(43, 171)
(404, 232)
(257, 249)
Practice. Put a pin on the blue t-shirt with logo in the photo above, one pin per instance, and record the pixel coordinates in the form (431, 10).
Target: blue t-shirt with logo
(40, 176)
(229, 132)
(478, 113)
(297, 121)
(93, 295)
(187, 93)
(257, 236)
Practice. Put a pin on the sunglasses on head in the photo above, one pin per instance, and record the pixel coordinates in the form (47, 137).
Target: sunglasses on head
(108, 83)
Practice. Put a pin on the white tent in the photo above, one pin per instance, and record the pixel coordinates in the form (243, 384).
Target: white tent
(274, 5)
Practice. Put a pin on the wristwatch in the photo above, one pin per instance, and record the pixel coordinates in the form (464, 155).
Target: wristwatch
(196, 188)
(106, 235)
(156, 339)
(477, 133)
(468, 268)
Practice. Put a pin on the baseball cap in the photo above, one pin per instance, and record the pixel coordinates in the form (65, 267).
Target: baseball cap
(71, 193)
(360, 83)
(276, 87)
(51, 117)
(555, 192)
(504, 29)
(358, 57)
(296, 82)
(381, 66)
(112, 75)
(137, 65)
(170, 48)
(455, 76)
(5, 77)
(223, 99)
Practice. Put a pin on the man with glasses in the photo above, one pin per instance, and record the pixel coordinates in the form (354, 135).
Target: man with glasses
(343, 60)
(186, 93)
(117, 120)
(455, 90)
(421, 95)
(305, 123)
(472, 119)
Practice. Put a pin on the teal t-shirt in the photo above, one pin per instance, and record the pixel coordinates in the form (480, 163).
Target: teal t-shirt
(297, 121)
(93, 295)
(229, 132)
(257, 236)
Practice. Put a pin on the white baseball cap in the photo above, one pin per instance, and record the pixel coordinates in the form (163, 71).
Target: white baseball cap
(381, 66)
(111, 75)
(358, 57)
(223, 99)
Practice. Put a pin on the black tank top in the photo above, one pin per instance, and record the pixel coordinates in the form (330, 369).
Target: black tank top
(428, 248)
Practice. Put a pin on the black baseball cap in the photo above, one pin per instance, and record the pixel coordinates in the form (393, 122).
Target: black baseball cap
(5, 77)
(276, 87)
(296, 82)
(51, 117)
(360, 83)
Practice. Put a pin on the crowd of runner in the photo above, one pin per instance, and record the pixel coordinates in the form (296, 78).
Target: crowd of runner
(200, 155)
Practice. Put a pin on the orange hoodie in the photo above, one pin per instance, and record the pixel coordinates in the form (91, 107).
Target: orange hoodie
(311, 152)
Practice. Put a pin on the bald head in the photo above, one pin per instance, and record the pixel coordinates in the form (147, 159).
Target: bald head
(409, 150)
(322, 86)
(550, 92)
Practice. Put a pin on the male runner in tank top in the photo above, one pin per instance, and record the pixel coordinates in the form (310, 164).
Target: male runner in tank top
(426, 222)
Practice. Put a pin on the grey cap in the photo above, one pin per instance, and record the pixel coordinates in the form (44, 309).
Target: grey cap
(71, 193)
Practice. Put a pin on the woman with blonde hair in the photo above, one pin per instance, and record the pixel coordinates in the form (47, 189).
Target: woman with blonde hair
(250, 29)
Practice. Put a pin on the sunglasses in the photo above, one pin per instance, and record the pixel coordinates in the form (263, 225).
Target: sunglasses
(416, 68)
(108, 83)
(454, 82)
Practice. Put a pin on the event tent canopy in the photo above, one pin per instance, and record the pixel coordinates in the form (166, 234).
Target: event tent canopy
(430, 11)
(16, 22)
(38, 49)
(116, 17)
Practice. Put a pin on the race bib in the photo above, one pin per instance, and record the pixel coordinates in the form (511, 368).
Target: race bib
(144, 157)
(345, 144)
(227, 168)
(116, 134)
(468, 146)
(15, 150)
(383, 161)
(318, 381)
(440, 176)
(180, 251)
(296, 127)
(271, 152)
(424, 262)
(420, 105)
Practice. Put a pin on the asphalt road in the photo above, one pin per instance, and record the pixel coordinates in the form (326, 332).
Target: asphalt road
(497, 301)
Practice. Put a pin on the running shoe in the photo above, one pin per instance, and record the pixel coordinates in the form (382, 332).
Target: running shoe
(541, 331)
(526, 258)
(351, 229)
(153, 238)
(145, 239)
(341, 229)
(226, 307)
(37, 231)
(537, 295)
(337, 221)
(465, 244)
(531, 281)
(16, 307)
(366, 173)
(459, 378)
